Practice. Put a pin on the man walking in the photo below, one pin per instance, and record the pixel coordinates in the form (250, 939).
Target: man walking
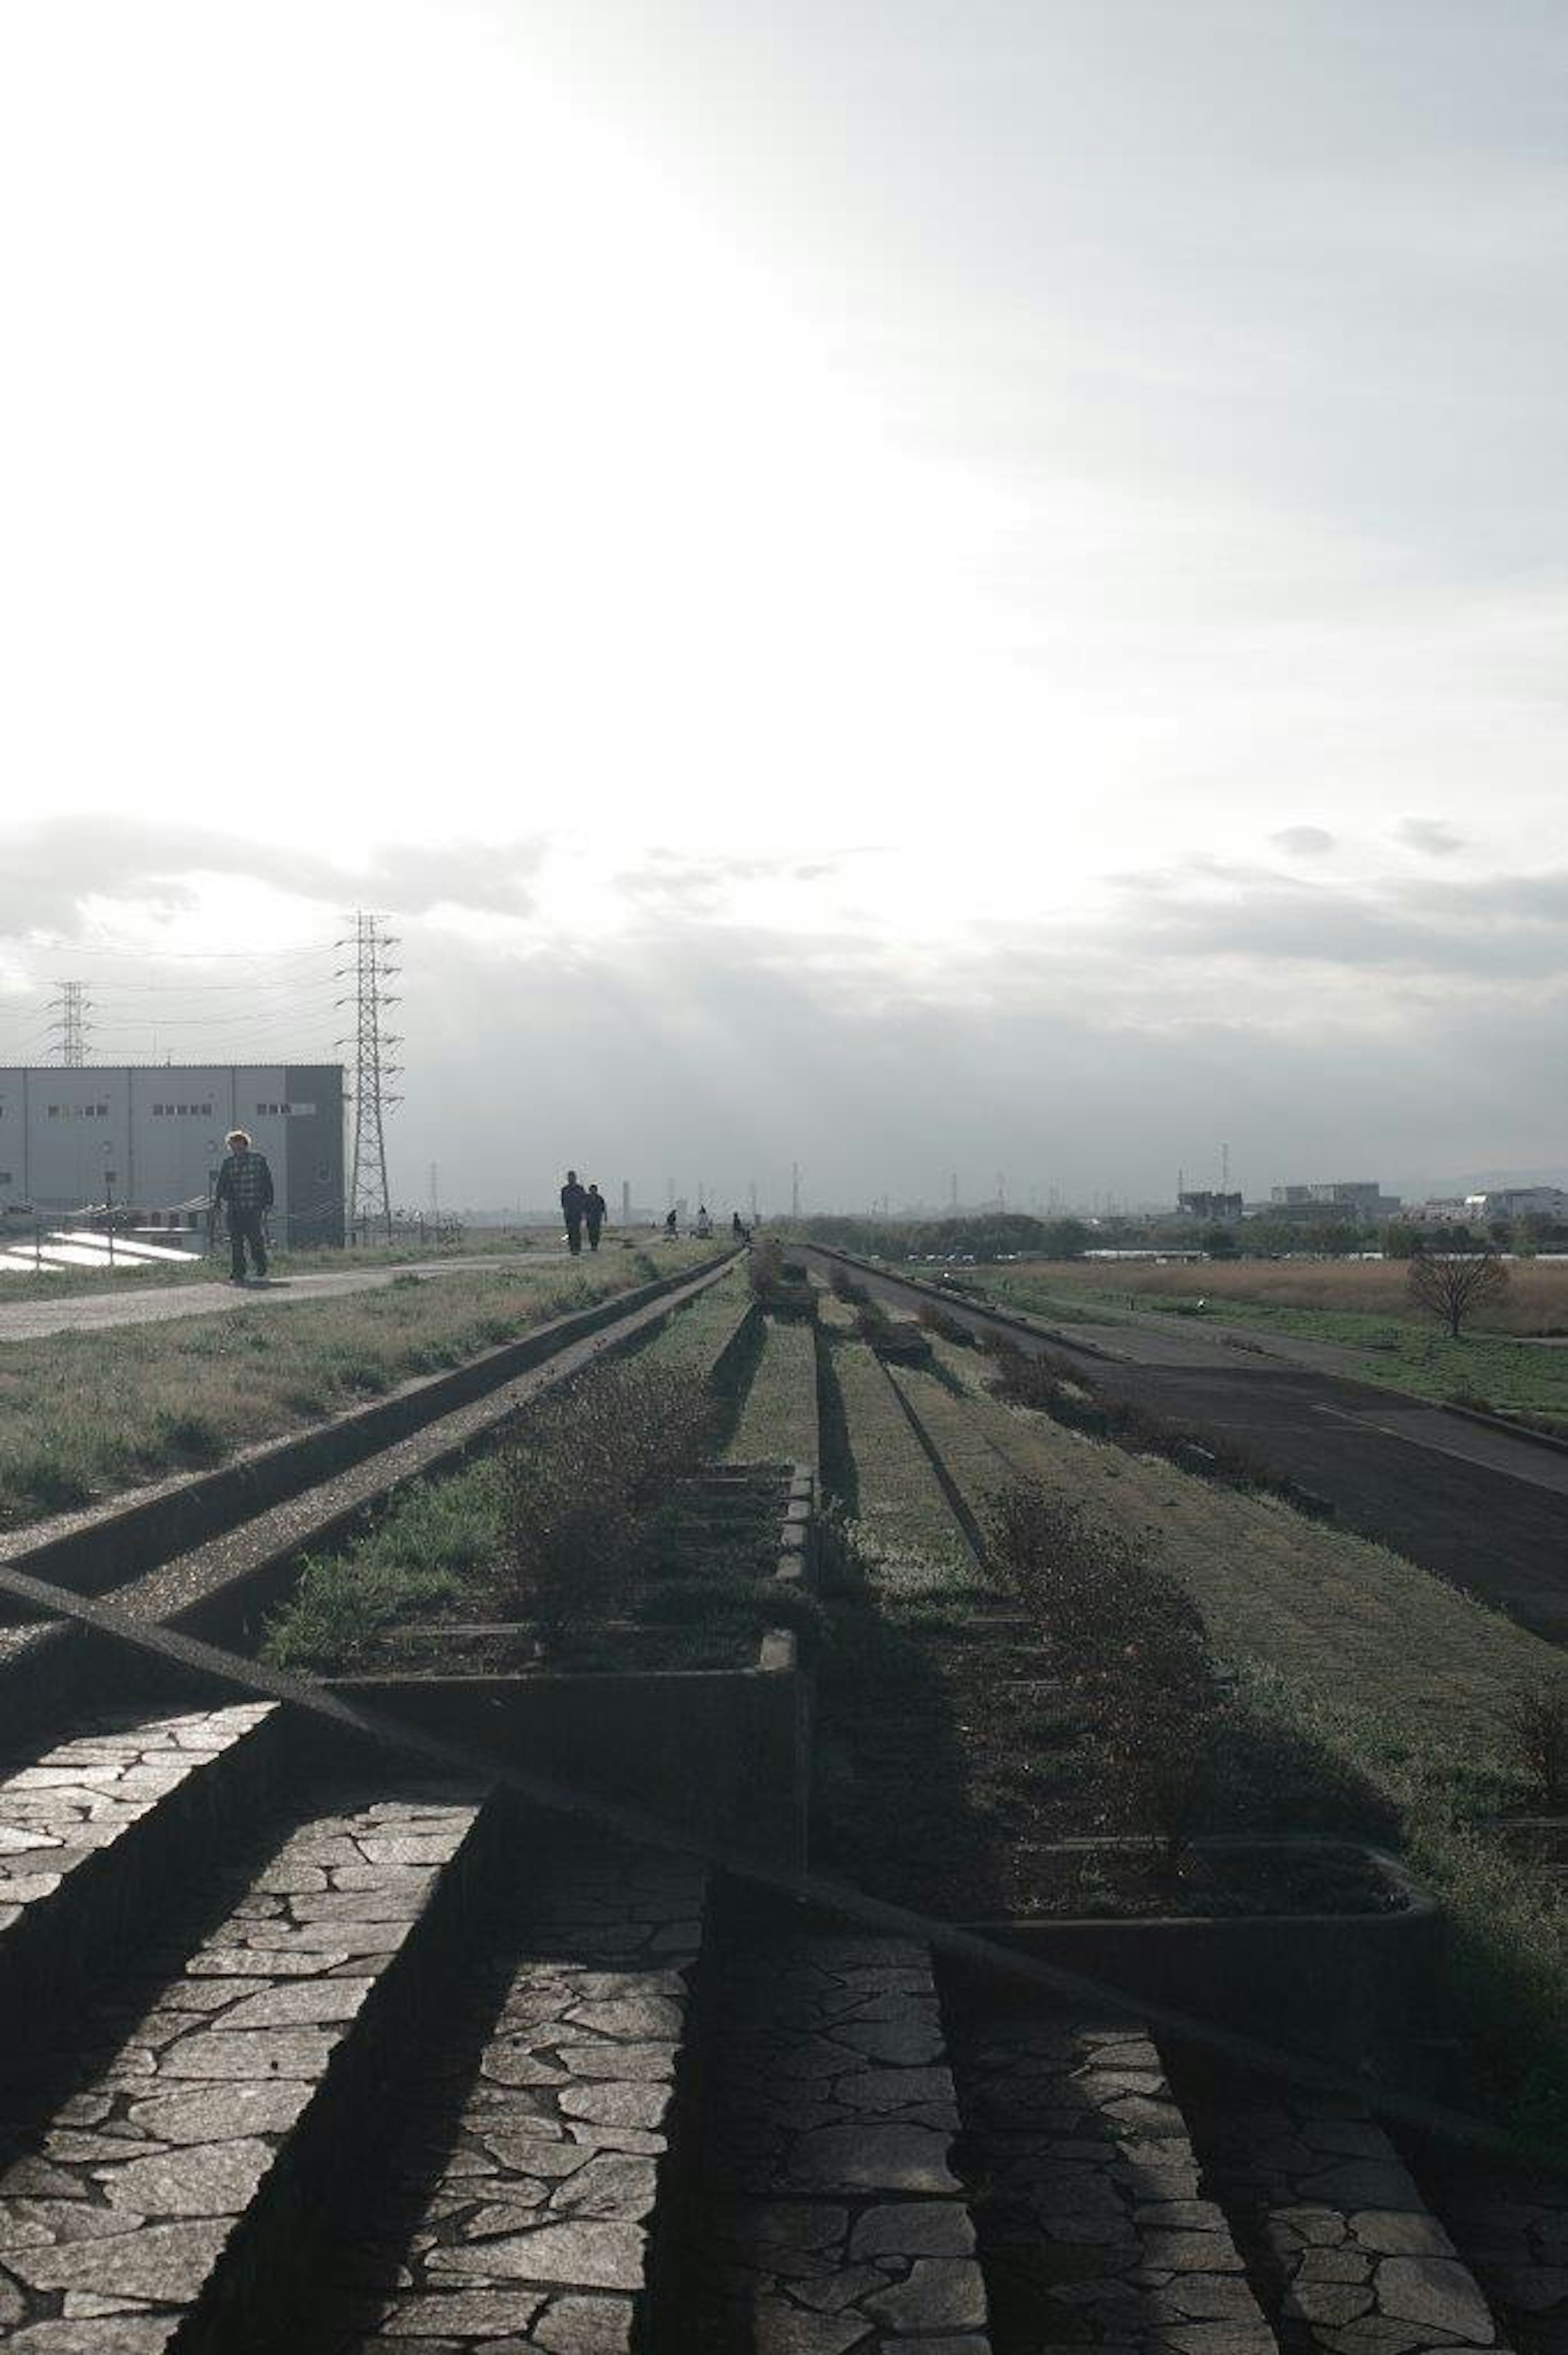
(594, 1207)
(244, 1190)
(573, 1203)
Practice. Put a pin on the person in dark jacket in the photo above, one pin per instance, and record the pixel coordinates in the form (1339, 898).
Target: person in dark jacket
(594, 1209)
(573, 1203)
(244, 1192)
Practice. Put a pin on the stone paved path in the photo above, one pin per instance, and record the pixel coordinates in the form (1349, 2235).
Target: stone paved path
(1357, 2263)
(831, 2221)
(519, 2210)
(1093, 2231)
(1512, 2231)
(118, 2204)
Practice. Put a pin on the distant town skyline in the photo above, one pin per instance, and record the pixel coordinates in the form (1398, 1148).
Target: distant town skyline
(863, 585)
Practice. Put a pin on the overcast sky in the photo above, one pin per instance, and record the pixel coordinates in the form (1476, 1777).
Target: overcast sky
(918, 585)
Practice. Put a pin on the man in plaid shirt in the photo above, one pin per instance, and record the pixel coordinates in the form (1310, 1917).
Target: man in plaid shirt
(245, 1191)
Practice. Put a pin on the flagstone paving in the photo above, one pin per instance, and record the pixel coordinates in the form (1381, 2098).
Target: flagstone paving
(833, 2220)
(530, 2224)
(1357, 2262)
(1092, 2226)
(116, 2209)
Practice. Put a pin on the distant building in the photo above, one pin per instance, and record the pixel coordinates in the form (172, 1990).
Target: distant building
(1518, 1202)
(1341, 1198)
(1447, 1210)
(1211, 1210)
(151, 1135)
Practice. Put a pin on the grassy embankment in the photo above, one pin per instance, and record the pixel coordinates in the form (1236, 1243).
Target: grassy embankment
(1369, 1659)
(84, 1415)
(1359, 1307)
(70, 1283)
(437, 1546)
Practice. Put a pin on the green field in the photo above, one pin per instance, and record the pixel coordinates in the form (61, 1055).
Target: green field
(1509, 1375)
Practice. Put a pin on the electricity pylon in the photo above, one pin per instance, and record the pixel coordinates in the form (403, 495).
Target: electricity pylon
(369, 1199)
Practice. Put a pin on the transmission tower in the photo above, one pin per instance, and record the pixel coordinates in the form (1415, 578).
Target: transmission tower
(794, 1190)
(71, 1010)
(369, 1201)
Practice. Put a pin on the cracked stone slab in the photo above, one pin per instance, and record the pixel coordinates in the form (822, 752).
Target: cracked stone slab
(1363, 2266)
(166, 2149)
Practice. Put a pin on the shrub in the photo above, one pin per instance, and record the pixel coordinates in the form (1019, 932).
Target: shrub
(872, 1319)
(589, 1463)
(1538, 1726)
(945, 1327)
(846, 1289)
(765, 1269)
(1130, 1641)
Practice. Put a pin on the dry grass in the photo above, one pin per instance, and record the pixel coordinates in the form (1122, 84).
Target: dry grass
(85, 1415)
(1536, 1301)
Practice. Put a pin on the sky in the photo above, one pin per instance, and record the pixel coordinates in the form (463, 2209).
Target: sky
(918, 587)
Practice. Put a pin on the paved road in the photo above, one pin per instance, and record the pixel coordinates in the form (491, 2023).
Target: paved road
(1486, 1510)
(91, 1312)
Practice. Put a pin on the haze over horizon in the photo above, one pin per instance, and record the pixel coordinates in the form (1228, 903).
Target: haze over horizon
(903, 586)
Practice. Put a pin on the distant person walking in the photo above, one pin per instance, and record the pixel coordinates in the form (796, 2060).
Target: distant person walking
(594, 1207)
(574, 1202)
(244, 1192)
(670, 1227)
(704, 1224)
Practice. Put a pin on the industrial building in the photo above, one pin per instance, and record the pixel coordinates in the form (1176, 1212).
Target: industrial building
(150, 1138)
(1360, 1199)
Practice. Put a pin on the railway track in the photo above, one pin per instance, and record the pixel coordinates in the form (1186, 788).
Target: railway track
(314, 2035)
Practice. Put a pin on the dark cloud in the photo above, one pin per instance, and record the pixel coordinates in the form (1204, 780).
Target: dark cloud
(671, 882)
(1304, 841)
(1501, 928)
(1430, 836)
(53, 869)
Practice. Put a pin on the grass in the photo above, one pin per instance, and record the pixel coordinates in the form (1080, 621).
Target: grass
(700, 1336)
(437, 1549)
(67, 1283)
(904, 1512)
(777, 1422)
(1359, 1307)
(85, 1415)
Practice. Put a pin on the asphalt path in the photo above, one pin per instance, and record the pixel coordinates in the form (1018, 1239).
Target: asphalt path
(92, 1312)
(1481, 1508)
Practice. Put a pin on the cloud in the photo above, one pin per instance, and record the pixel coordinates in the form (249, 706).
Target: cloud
(1304, 841)
(1505, 929)
(54, 870)
(1429, 835)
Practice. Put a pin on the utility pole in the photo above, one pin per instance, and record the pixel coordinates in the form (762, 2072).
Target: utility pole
(71, 1008)
(625, 1202)
(794, 1190)
(751, 1197)
(370, 1199)
(1225, 1169)
(953, 1194)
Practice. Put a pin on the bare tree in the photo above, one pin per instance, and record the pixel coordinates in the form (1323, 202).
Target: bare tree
(1451, 1285)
